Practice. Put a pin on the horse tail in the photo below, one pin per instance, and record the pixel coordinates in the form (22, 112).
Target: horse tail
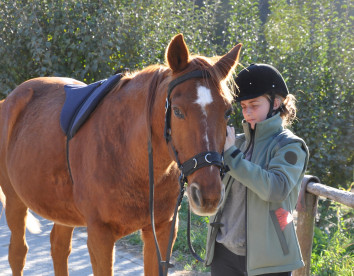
(2, 200)
(33, 225)
(2, 195)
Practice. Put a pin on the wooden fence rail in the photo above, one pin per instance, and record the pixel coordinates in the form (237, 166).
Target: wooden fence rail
(311, 189)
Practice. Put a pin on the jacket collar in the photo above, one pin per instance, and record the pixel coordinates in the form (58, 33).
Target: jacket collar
(264, 129)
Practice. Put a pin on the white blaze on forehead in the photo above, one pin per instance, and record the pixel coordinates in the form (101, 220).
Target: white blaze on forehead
(203, 97)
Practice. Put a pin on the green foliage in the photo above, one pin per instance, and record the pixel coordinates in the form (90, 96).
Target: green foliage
(89, 40)
(319, 74)
(285, 17)
(134, 238)
(244, 26)
(333, 242)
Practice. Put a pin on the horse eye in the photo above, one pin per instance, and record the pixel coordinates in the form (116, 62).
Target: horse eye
(178, 113)
(228, 114)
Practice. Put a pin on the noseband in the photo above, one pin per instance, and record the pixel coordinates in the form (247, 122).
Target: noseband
(209, 158)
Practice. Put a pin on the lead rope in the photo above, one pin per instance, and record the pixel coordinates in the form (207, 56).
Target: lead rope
(151, 203)
(173, 225)
(223, 170)
(191, 249)
(163, 265)
(189, 218)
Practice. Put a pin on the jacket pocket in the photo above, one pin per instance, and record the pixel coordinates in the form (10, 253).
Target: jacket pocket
(279, 230)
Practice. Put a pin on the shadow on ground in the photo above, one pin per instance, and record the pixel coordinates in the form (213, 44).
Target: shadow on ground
(128, 258)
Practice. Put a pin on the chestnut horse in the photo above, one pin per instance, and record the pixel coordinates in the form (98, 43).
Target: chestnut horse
(109, 190)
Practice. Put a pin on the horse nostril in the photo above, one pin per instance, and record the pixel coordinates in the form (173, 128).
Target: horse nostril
(196, 195)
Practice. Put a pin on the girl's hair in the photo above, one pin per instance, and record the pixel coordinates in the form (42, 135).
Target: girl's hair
(288, 110)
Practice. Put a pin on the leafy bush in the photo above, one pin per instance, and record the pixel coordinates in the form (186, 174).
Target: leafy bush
(333, 242)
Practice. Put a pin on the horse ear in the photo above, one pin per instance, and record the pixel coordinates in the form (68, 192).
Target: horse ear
(177, 54)
(227, 63)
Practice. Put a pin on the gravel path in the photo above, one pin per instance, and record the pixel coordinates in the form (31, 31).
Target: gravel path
(128, 258)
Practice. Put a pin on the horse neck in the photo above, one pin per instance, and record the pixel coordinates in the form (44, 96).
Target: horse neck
(143, 95)
(155, 115)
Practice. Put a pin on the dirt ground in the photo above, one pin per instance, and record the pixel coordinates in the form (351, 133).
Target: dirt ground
(128, 258)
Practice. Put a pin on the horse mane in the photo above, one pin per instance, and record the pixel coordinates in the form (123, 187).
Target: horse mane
(160, 72)
(159, 75)
(152, 69)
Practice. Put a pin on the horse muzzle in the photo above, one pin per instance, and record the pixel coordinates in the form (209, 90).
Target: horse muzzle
(206, 195)
(206, 191)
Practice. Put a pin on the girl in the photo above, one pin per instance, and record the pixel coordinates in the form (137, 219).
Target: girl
(253, 232)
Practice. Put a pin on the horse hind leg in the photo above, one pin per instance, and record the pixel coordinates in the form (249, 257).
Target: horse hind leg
(16, 213)
(60, 239)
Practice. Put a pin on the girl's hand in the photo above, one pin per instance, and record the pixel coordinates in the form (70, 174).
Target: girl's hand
(230, 138)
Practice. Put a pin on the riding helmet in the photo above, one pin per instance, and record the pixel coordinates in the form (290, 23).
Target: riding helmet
(259, 79)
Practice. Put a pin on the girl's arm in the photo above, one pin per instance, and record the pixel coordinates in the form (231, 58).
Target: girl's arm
(274, 183)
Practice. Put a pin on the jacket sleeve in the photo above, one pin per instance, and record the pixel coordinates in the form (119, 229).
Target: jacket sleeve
(275, 182)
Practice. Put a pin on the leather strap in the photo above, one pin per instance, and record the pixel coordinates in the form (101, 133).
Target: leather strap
(202, 160)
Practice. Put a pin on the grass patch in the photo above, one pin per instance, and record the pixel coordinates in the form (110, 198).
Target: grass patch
(333, 242)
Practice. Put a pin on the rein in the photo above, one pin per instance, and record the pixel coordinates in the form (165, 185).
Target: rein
(188, 167)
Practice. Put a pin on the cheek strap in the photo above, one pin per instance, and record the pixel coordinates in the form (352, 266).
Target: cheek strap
(272, 112)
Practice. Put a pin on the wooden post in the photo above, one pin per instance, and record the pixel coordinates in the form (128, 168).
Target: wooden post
(306, 208)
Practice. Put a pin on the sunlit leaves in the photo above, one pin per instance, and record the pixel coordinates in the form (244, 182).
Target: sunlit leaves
(287, 28)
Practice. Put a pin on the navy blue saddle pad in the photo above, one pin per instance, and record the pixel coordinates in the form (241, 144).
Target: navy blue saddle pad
(81, 101)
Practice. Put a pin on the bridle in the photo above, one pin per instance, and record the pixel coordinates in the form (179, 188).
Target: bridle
(202, 159)
(188, 167)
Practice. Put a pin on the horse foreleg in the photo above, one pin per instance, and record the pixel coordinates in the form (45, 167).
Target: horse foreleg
(60, 239)
(151, 266)
(100, 243)
(16, 213)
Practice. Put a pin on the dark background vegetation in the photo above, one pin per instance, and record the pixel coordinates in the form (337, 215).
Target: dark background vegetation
(310, 42)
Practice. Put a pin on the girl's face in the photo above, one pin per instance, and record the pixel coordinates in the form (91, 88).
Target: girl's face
(256, 110)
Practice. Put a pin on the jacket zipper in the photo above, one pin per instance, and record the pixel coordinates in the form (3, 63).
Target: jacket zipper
(252, 131)
(249, 146)
(246, 272)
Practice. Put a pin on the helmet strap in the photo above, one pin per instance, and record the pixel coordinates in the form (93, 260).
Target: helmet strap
(271, 105)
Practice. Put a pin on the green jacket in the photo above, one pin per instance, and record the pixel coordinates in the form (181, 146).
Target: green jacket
(273, 179)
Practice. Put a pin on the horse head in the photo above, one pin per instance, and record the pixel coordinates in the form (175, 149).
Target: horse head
(197, 110)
